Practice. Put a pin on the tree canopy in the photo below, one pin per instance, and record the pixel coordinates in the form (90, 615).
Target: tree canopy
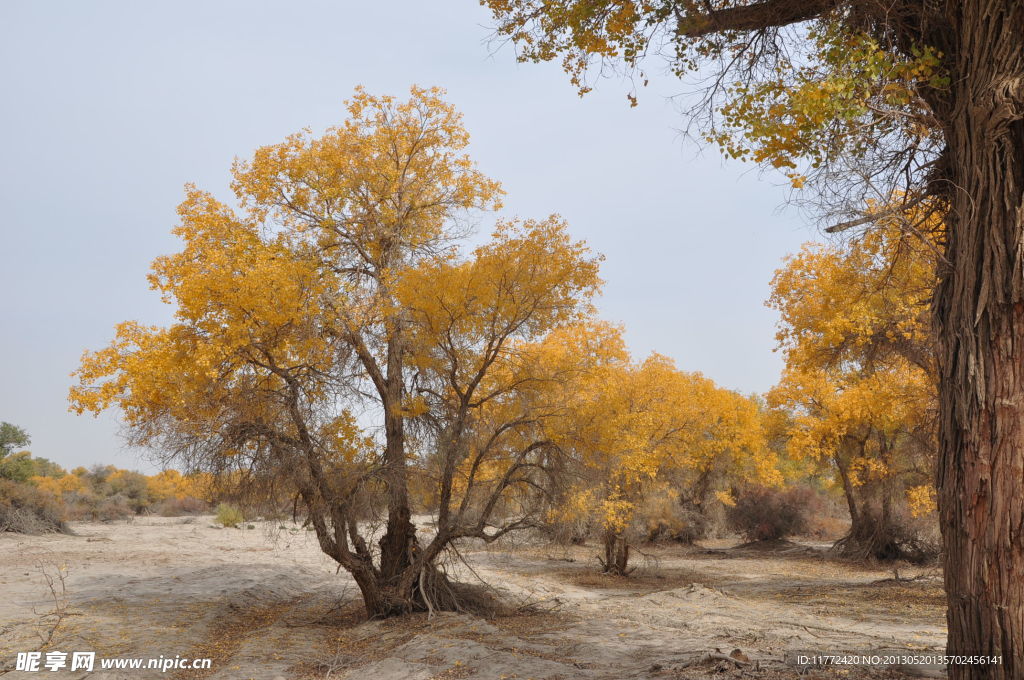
(331, 333)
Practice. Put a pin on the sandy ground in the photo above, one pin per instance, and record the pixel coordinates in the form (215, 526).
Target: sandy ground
(264, 603)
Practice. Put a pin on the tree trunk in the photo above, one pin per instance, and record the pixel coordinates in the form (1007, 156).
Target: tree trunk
(399, 539)
(383, 599)
(375, 600)
(875, 535)
(851, 499)
(616, 554)
(874, 531)
(979, 312)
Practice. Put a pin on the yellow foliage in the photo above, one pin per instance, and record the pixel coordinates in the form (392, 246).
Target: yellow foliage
(334, 304)
(173, 484)
(725, 497)
(859, 387)
(922, 500)
(635, 427)
(59, 485)
(263, 296)
(839, 92)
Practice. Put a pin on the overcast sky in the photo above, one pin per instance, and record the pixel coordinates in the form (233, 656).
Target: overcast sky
(108, 108)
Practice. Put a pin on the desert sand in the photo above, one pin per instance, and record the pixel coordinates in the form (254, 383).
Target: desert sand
(265, 603)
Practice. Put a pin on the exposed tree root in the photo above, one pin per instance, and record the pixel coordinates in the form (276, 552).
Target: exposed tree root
(885, 542)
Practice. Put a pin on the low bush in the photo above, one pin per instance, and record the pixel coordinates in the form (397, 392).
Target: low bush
(826, 527)
(87, 507)
(115, 507)
(229, 516)
(27, 510)
(574, 531)
(177, 507)
(768, 514)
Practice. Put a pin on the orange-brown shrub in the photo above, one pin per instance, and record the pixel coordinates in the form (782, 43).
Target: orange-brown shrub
(27, 510)
(767, 514)
(89, 507)
(177, 507)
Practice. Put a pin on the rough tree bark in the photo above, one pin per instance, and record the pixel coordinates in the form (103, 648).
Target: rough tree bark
(978, 304)
(616, 554)
(395, 581)
(979, 310)
(397, 543)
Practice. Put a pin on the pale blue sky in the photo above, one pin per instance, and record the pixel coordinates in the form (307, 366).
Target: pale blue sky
(108, 108)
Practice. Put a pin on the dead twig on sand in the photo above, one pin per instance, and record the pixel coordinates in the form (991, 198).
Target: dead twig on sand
(55, 577)
(736, 657)
(896, 578)
(528, 606)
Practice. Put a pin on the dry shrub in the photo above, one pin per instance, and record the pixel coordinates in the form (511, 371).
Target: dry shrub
(88, 507)
(25, 509)
(769, 514)
(468, 598)
(79, 506)
(179, 507)
(115, 507)
(663, 515)
(828, 517)
(567, 531)
(826, 527)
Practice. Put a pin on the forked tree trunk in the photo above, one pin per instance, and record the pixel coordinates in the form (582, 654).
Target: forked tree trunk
(979, 310)
(874, 532)
(616, 554)
(383, 598)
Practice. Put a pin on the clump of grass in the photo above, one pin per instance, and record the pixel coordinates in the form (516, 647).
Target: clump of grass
(229, 516)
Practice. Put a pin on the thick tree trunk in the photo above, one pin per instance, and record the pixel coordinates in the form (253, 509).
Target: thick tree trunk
(398, 543)
(383, 599)
(399, 540)
(416, 589)
(875, 535)
(375, 601)
(616, 554)
(979, 311)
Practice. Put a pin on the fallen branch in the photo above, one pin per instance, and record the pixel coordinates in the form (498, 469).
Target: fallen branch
(718, 655)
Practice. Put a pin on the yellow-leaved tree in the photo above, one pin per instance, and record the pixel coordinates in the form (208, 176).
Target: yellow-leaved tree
(330, 333)
(642, 435)
(859, 383)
